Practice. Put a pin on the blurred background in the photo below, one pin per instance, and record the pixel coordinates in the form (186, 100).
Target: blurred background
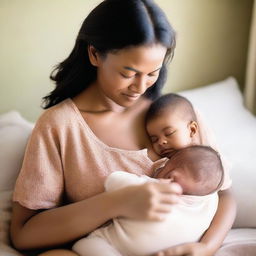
(212, 44)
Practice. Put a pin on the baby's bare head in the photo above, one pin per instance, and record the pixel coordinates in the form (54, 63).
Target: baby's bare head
(198, 169)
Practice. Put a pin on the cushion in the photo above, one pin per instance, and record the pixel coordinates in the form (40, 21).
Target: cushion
(222, 108)
(14, 133)
(239, 242)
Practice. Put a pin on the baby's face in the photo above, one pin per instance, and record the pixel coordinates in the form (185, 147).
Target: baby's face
(169, 132)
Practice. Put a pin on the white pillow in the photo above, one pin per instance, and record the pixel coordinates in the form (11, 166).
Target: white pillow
(221, 105)
(14, 133)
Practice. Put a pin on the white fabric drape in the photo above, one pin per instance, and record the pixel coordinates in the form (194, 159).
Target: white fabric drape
(250, 83)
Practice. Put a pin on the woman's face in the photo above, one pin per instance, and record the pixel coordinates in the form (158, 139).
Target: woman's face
(125, 75)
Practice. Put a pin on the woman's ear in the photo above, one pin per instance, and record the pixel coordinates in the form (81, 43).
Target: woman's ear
(93, 55)
(193, 127)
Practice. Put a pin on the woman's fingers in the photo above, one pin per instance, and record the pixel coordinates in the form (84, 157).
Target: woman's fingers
(169, 199)
(151, 201)
(164, 201)
(169, 193)
(170, 188)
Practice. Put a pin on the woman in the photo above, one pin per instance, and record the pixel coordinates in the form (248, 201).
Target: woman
(94, 125)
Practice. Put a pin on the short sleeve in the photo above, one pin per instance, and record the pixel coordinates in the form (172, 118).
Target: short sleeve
(40, 182)
(208, 139)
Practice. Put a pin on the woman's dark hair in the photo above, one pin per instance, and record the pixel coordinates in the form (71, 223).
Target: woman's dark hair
(111, 26)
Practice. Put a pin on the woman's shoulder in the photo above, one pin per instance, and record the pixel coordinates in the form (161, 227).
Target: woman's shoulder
(60, 114)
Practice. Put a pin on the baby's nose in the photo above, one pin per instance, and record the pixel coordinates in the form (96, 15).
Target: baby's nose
(162, 141)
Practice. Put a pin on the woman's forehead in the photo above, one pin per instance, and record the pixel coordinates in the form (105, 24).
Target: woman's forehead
(138, 56)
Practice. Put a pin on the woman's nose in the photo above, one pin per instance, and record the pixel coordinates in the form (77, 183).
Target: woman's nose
(140, 85)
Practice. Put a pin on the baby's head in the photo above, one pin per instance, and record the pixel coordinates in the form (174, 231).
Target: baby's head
(171, 124)
(198, 169)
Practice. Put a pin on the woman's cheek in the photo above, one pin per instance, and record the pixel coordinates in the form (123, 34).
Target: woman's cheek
(153, 81)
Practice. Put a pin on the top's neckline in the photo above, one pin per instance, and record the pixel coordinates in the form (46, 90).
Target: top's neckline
(93, 135)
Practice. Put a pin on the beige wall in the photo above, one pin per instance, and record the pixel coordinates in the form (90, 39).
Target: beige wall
(212, 41)
(212, 38)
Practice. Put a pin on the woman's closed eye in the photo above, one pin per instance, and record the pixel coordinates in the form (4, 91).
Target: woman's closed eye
(156, 73)
(127, 76)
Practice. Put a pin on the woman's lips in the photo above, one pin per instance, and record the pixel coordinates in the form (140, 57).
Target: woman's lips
(132, 96)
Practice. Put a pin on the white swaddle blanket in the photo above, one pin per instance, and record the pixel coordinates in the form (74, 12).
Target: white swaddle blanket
(186, 222)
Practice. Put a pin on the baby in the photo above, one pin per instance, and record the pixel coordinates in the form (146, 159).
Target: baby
(173, 130)
(171, 124)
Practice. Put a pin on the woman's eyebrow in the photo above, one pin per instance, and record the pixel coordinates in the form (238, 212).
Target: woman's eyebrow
(137, 71)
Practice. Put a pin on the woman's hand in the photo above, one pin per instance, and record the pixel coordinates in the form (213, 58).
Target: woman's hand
(150, 201)
(188, 249)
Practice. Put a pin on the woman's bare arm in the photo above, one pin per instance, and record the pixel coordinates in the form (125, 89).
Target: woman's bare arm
(33, 229)
(222, 222)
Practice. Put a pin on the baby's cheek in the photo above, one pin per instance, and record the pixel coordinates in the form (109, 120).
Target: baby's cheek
(156, 149)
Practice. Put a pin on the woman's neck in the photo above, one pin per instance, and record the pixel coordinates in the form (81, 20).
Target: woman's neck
(122, 129)
(93, 101)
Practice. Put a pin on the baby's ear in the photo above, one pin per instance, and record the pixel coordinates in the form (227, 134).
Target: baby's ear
(193, 126)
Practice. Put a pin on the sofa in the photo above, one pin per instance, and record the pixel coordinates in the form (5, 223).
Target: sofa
(221, 105)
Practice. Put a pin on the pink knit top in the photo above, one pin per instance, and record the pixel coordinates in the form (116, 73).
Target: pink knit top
(65, 162)
(64, 157)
